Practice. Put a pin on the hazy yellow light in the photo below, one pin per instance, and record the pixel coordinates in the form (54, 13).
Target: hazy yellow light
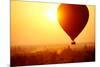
(37, 24)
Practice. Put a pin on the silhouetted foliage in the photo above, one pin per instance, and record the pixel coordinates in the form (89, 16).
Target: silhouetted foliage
(21, 56)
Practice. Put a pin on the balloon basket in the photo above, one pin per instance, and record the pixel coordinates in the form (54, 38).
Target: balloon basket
(73, 43)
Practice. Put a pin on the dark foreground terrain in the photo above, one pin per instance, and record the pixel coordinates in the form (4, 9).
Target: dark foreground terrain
(43, 55)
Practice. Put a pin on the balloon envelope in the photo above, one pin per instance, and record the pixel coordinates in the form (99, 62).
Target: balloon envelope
(72, 18)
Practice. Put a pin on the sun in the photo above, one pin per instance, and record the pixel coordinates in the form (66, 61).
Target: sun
(52, 14)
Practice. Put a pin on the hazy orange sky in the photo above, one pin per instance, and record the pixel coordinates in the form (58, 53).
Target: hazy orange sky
(34, 23)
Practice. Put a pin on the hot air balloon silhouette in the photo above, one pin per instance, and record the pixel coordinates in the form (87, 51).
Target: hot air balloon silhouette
(72, 18)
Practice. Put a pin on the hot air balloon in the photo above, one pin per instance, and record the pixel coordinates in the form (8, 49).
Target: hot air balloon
(72, 18)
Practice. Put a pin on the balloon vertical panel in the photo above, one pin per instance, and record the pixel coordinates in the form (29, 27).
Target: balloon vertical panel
(51, 33)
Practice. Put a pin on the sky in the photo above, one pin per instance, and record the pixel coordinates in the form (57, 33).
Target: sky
(34, 23)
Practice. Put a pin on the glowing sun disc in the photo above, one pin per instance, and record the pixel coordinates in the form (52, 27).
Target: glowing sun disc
(52, 14)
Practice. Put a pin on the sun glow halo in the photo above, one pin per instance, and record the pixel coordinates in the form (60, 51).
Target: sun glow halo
(52, 14)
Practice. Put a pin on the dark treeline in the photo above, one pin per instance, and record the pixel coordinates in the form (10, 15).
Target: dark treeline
(67, 55)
